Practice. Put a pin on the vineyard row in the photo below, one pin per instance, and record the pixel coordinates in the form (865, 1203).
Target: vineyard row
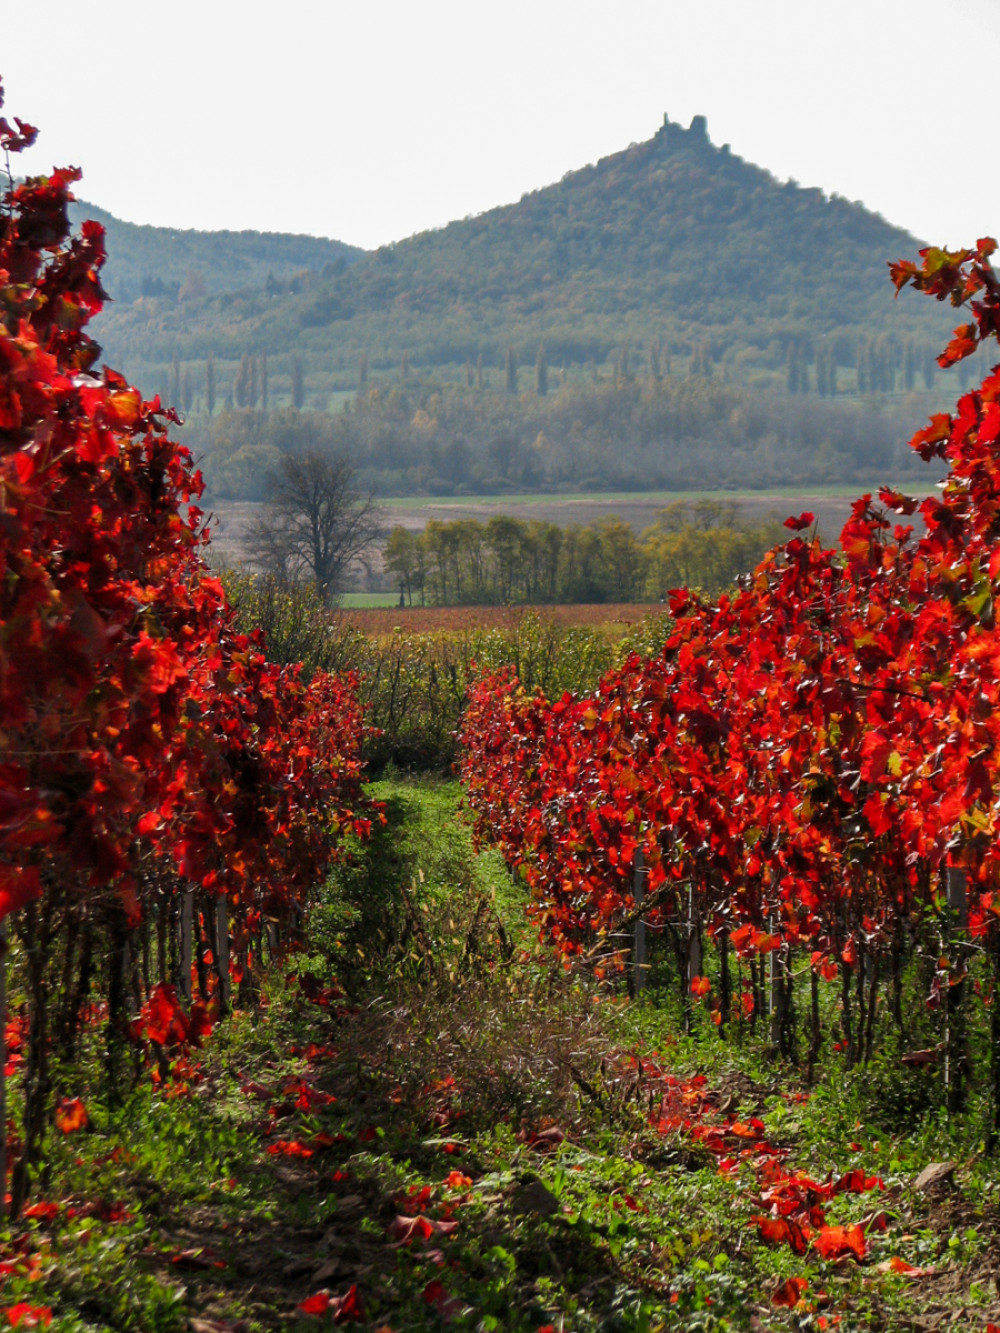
(167, 796)
(807, 778)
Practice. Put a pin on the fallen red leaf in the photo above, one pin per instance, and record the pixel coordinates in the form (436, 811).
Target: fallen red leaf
(289, 1148)
(347, 1306)
(902, 1268)
(833, 1241)
(405, 1230)
(339, 1308)
(197, 1259)
(790, 1292)
(779, 1231)
(317, 1304)
(856, 1182)
(256, 1090)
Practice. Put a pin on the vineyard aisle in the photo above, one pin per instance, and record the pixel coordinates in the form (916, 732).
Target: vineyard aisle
(440, 1127)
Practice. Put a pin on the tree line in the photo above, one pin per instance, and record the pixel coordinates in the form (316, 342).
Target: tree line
(506, 560)
(678, 432)
(836, 367)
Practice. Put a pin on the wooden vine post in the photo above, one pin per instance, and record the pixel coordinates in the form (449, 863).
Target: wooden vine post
(775, 1006)
(694, 961)
(694, 938)
(221, 951)
(186, 930)
(956, 1055)
(640, 963)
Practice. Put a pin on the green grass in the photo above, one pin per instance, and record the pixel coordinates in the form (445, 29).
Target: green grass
(465, 1077)
(354, 600)
(664, 498)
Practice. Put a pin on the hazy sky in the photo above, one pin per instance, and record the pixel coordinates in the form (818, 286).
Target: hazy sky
(370, 121)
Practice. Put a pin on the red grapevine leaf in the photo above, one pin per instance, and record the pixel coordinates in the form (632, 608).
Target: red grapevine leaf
(71, 1115)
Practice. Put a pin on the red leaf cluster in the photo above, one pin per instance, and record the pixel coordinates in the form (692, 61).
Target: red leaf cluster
(149, 751)
(25, 1315)
(807, 753)
(340, 1309)
(71, 1115)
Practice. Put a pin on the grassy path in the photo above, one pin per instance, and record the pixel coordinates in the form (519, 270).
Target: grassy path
(461, 1135)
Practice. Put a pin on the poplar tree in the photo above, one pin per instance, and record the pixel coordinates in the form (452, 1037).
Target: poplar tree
(654, 358)
(210, 383)
(792, 370)
(864, 381)
(541, 372)
(242, 382)
(510, 371)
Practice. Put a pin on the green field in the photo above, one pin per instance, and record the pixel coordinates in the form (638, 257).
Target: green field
(656, 498)
(355, 600)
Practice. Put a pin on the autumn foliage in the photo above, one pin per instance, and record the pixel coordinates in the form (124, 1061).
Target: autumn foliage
(153, 763)
(813, 762)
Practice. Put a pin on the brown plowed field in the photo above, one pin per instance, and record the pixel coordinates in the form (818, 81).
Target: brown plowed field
(379, 620)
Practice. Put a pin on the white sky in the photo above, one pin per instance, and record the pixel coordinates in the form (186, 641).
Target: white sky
(372, 120)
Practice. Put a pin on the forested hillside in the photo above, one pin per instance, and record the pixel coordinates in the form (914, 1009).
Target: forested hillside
(178, 266)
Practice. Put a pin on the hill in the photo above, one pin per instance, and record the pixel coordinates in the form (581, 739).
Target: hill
(680, 319)
(180, 265)
(672, 241)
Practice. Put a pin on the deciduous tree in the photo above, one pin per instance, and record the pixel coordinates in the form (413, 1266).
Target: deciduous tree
(315, 522)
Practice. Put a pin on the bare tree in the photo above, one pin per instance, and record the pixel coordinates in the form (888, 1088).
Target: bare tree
(314, 523)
